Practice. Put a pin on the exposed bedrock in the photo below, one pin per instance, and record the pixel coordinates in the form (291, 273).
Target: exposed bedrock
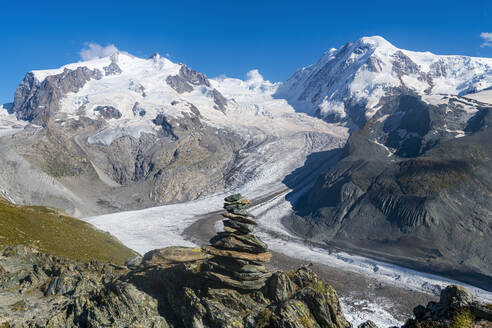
(170, 287)
(36, 101)
(410, 191)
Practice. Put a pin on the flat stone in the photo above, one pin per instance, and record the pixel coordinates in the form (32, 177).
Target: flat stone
(240, 218)
(173, 255)
(234, 265)
(249, 242)
(233, 198)
(240, 226)
(250, 276)
(258, 257)
(239, 212)
(241, 201)
(231, 282)
(235, 206)
(232, 230)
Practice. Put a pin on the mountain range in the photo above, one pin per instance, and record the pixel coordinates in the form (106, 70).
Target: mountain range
(409, 133)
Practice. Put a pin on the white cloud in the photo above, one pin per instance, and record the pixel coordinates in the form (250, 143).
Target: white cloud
(94, 50)
(487, 38)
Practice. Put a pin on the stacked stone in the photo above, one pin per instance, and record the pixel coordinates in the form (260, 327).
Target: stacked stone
(238, 255)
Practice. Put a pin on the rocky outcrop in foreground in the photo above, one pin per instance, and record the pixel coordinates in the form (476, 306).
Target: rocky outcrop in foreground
(456, 309)
(223, 285)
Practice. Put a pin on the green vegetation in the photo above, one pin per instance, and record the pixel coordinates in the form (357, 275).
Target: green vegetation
(53, 232)
(291, 274)
(462, 319)
(18, 306)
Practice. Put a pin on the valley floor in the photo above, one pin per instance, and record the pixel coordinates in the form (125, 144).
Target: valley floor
(369, 289)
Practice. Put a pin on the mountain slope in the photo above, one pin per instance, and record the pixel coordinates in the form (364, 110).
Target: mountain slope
(124, 133)
(349, 84)
(57, 234)
(413, 187)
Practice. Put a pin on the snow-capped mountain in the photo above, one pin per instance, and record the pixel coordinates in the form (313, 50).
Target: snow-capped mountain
(124, 133)
(159, 130)
(130, 92)
(349, 84)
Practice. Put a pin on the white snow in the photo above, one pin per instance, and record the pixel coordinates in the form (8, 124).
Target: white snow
(367, 69)
(263, 113)
(164, 226)
(9, 124)
(484, 96)
(97, 63)
(108, 135)
(358, 311)
(252, 104)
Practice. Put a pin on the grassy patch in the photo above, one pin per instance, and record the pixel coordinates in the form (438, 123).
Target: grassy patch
(291, 274)
(462, 319)
(53, 232)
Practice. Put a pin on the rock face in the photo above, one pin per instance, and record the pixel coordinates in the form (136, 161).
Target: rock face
(172, 287)
(110, 128)
(237, 253)
(415, 179)
(37, 102)
(108, 112)
(349, 84)
(456, 308)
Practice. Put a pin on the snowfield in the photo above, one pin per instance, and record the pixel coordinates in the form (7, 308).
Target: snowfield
(9, 124)
(164, 226)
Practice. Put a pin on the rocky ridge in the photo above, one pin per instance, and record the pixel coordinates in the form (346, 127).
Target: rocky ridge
(112, 127)
(170, 287)
(456, 309)
(350, 84)
(413, 187)
(220, 285)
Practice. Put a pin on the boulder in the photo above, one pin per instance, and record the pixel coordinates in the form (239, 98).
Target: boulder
(239, 212)
(280, 287)
(240, 201)
(234, 283)
(455, 295)
(134, 261)
(173, 255)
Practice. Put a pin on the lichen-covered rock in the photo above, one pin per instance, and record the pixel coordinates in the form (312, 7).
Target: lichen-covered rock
(259, 257)
(173, 255)
(280, 287)
(456, 308)
(108, 112)
(172, 295)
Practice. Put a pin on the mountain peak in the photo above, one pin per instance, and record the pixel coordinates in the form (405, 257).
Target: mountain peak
(376, 41)
(359, 74)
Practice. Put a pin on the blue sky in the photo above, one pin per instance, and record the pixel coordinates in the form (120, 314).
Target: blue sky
(231, 37)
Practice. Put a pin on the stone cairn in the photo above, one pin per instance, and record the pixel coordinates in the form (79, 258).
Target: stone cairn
(238, 256)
